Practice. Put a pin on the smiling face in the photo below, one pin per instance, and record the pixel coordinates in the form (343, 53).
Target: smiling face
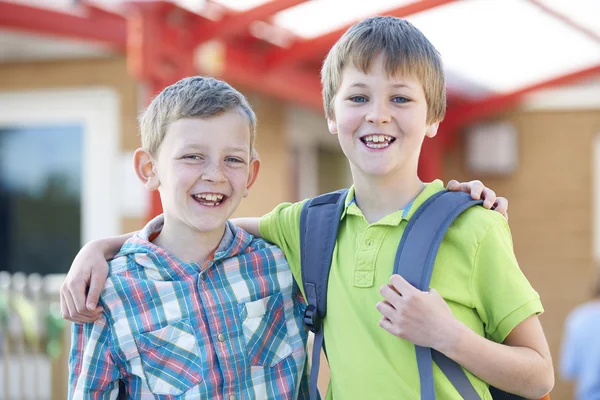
(203, 169)
(380, 121)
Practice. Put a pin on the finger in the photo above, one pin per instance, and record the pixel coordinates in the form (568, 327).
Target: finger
(79, 316)
(97, 282)
(64, 311)
(453, 185)
(489, 197)
(501, 205)
(401, 285)
(70, 307)
(389, 326)
(76, 290)
(475, 189)
(391, 296)
(386, 309)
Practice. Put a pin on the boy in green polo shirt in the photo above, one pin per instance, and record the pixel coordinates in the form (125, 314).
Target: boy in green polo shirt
(384, 92)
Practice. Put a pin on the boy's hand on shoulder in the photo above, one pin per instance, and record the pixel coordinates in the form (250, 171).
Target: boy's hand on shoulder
(478, 191)
(422, 318)
(81, 289)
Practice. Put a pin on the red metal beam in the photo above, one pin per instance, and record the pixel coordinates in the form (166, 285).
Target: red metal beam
(236, 23)
(98, 27)
(464, 114)
(288, 84)
(566, 20)
(320, 45)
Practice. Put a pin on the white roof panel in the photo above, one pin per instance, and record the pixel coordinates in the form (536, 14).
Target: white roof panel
(505, 45)
(317, 17)
(586, 13)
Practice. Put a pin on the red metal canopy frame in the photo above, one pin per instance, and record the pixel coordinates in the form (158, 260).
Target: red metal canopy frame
(160, 39)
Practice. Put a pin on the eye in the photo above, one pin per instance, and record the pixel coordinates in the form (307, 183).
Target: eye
(400, 99)
(234, 160)
(358, 99)
(192, 157)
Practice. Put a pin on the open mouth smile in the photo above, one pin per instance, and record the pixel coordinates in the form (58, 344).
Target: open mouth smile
(377, 141)
(209, 199)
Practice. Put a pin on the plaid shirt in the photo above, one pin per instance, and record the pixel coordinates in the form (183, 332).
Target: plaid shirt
(233, 330)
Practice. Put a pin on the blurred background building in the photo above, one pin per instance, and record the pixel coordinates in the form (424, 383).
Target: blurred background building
(523, 116)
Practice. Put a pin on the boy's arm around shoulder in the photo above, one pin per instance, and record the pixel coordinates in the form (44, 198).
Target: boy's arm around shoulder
(81, 289)
(92, 370)
(517, 358)
(281, 226)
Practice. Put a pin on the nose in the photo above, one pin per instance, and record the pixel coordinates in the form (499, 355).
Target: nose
(213, 173)
(378, 113)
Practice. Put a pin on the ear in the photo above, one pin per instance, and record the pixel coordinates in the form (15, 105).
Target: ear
(432, 130)
(254, 167)
(144, 168)
(332, 125)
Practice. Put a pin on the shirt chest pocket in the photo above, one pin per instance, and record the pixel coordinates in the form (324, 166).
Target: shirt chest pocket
(265, 330)
(171, 358)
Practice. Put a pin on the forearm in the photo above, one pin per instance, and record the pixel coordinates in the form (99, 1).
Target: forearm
(515, 369)
(111, 246)
(250, 225)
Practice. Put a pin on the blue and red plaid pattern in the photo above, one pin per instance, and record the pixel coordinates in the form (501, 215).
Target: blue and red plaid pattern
(171, 330)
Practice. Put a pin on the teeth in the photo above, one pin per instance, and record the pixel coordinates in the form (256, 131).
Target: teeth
(209, 197)
(377, 138)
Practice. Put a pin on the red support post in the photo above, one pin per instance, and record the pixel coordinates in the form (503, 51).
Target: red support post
(160, 51)
(431, 159)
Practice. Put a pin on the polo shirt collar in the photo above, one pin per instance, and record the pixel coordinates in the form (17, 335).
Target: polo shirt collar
(351, 207)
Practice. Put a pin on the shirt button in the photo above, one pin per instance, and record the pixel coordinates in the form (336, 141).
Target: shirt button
(370, 243)
(233, 397)
(221, 338)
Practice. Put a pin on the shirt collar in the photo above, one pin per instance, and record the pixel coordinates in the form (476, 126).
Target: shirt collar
(234, 242)
(351, 207)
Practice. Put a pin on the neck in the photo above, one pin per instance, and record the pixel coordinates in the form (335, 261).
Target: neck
(378, 197)
(187, 244)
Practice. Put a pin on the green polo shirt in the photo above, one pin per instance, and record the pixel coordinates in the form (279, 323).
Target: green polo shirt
(476, 272)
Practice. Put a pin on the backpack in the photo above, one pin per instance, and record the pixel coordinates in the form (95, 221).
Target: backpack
(319, 221)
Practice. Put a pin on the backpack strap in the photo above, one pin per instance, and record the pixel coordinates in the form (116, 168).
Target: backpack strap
(415, 260)
(319, 222)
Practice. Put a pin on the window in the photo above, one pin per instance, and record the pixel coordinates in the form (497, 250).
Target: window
(40, 197)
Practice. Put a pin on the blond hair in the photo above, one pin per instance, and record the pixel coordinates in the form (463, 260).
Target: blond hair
(196, 96)
(405, 51)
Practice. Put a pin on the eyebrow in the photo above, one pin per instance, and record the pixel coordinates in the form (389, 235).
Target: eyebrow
(193, 146)
(395, 85)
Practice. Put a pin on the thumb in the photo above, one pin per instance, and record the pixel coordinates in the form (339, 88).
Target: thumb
(97, 282)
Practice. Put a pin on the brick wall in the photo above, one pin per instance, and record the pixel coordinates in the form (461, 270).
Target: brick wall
(551, 211)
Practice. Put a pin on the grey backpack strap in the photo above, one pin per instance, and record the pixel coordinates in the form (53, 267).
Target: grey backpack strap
(319, 221)
(415, 260)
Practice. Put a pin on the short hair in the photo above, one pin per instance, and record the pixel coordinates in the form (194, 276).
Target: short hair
(196, 96)
(405, 50)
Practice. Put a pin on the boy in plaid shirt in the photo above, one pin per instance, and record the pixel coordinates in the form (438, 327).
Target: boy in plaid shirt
(194, 307)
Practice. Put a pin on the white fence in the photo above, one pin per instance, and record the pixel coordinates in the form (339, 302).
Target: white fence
(33, 343)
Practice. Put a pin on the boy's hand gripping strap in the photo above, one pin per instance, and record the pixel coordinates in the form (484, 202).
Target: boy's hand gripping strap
(319, 221)
(415, 260)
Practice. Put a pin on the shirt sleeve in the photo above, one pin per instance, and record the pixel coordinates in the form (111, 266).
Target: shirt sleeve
(92, 372)
(503, 296)
(282, 227)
